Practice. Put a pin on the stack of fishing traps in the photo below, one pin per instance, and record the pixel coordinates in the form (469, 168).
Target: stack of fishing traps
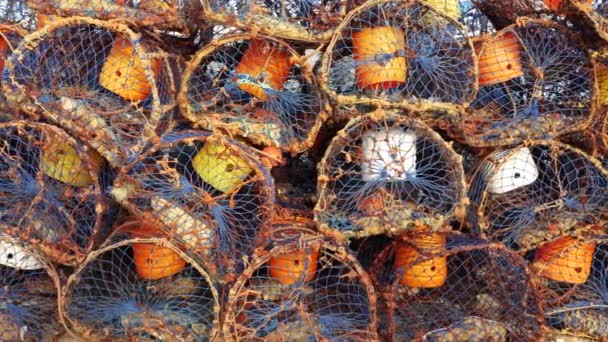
(304, 170)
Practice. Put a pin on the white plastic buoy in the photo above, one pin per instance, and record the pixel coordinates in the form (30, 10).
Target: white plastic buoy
(14, 256)
(392, 153)
(517, 169)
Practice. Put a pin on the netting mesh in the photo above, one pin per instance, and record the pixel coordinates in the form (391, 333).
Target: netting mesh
(259, 88)
(49, 190)
(140, 288)
(304, 288)
(98, 80)
(207, 190)
(17, 12)
(10, 37)
(386, 174)
(527, 194)
(485, 293)
(535, 82)
(306, 20)
(573, 279)
(399, 53)
(28, 294)
(160, 14)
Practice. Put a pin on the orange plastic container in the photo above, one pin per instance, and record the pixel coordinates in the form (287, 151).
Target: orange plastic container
(3, 52)
(288, 268)
(499, 59)
(428, 273)
(555, 5)
(373, 67)
(565, 259)
(268, 64)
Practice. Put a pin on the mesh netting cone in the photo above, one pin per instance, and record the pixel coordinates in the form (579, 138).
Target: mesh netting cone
(140, 286)
(256, 87)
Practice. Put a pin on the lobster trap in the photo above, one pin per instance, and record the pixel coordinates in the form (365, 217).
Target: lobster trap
(386, 173)
(309, 21)
(99, 80)
(50, 192)
(208, 191)
(174, 15)
(535, 82)
(399, 54)
(535, 192)
(255, 87)
(464, 290)
(304, 288)
(140, 287)
(28, 295)
(573, 280)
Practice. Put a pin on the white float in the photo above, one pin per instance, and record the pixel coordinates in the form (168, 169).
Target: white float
(393, 150)
(515, 170)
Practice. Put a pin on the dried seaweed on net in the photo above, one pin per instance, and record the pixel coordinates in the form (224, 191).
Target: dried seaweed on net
(304, 288)
(209, 192)
(49, 190)
(386, 173)
(255, 87)
(303, 20)
(486, 293)
(98, 80)
(535, 82)
(10, 37)
(115, 294)
(530, 193)
(28, 294)
(399, 53)
(158, 14)
(579, 309)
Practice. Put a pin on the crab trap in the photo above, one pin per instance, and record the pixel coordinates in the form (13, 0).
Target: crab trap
(50, 192)
(207, 190)
(573, 280)
(140, 287)
(304, 288)
(98, 80)
(534, 192)
(28, 295)
(534, 82)
(454, 288)
(309, 20)
(174, 15)
(399, 54)
(256, 87)
(385, 173)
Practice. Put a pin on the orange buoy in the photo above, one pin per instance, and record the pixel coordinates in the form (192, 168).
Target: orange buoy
(379, 60)
(288, 268)
(151, 260)
(123, 72)
(267, 64)
(429, 273)
(565, 259)
(555, 5)
(3, 51)
(499, 59)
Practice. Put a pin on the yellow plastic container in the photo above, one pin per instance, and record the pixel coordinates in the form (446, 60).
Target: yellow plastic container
(371, 42)
(220, 167)
(60, 161)
(429, 273)
(499, 59)
(123, 72)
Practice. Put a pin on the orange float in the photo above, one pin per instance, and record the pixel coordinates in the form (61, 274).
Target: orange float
(267, 64)
(555, 5)
(565, 259)
(288, 268)
(372, 43)
(3, 51)
(499, 59)
(429, 273)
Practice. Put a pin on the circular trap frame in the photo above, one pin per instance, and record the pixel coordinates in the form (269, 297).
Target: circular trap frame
(535, 82)
(140, 286)
(209, 191)
(50, 193)
(99, 80)
(460, 289)
(536, 191)
(28, 294)
(399, 54)
(304, 287)
(386, 173)
(256, 87)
